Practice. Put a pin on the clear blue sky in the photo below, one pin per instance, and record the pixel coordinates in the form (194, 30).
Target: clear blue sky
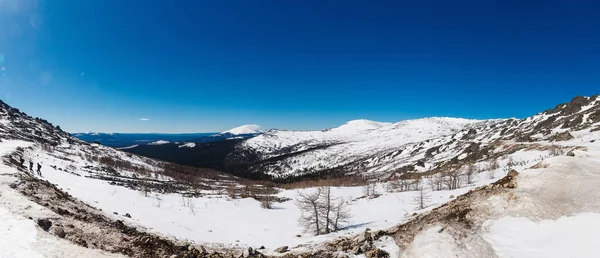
(201, 66)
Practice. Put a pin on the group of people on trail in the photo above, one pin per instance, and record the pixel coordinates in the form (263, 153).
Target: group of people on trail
(39, 166)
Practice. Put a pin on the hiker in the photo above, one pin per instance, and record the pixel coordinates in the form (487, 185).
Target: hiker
(31, 165)
(39, 169)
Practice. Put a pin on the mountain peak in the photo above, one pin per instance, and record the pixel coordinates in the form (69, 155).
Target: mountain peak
(244, 129)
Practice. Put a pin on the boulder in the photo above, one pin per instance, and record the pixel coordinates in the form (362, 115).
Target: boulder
(59, 232)
(512, 173)
(127, 215)
(248, 252)
(45, 224)
(571, 154)
(282, 249)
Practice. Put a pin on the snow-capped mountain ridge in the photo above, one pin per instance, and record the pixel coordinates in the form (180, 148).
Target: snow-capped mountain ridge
(244, 129)
(380, 149)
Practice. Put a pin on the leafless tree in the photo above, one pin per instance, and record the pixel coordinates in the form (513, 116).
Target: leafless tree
(340, 214)
(492, 166)
(451, 178)
(422, 198)
(436, 182)
(309, 206)
(321, 212)
(370, 189)
(470, 172)
(511, 162)
(266, 202)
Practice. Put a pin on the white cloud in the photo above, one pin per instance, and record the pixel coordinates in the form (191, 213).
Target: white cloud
(144, 119)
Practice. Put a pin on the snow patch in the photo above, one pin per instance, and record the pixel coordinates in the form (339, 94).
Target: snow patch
(160, 142)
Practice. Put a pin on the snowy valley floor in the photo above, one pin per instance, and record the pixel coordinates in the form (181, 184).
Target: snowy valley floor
(553, 212)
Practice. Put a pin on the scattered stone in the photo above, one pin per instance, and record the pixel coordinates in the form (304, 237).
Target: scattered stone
(127, 215)
(116, 213)
(377, 253)
(44, 224)
(298, 235)
(571, 154)
(512, 173)
(59, 232)
(282, 249)
(261, 247)
(451, 196)
(248, 252)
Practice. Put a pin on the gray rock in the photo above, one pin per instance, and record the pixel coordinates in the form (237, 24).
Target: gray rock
(59, 232)
(248, 252)
(45, 224)
(282, 249)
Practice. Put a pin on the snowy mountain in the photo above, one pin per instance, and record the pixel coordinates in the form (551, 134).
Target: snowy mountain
(244, 129)
(491, 188)
(383, 150)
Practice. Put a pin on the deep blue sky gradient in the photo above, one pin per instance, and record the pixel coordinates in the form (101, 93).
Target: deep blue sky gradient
(201, 66)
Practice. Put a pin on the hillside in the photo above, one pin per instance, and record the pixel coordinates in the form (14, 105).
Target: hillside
(382, 150)
(493, 189)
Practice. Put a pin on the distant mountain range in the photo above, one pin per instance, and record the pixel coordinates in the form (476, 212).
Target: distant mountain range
(132, 140)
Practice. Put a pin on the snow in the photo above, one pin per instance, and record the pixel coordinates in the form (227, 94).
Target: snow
(218, 221)
(17, 236)
(573, 236)
(188, 145)
(244, 129)
(433, 243)
(355, 140)
(159, 142)
(21, 237)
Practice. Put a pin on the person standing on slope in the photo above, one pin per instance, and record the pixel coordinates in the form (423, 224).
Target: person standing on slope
(31, 165)
(39, 169)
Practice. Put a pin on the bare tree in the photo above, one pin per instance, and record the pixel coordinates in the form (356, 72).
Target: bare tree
(451, 178)
(437, 182)
(492, 166)
(370, 189)
(321, 212)
(309, 206)
(511, 162)
(470, 172)
(422, 198)
(266, 202)
(341, 214)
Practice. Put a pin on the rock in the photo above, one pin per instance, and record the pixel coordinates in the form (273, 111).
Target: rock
(367, 246)
(451, 196)
(571, 154)
(44, 224)
(127, 215)
(512, 173)
(282, 249)
(377, 253)
(202, 250)
(248, 252)
(59, 232)
(356, 250)
(116, 213)
(261, 247)
(191, 248)
(298, 235)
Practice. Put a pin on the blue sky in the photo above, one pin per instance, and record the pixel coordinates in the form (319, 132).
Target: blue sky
(202, 66)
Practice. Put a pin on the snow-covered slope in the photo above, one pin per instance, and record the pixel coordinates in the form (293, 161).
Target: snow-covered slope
(382, 150)
(244, 129)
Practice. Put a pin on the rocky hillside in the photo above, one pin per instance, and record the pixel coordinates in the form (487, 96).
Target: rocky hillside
(382, 150)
